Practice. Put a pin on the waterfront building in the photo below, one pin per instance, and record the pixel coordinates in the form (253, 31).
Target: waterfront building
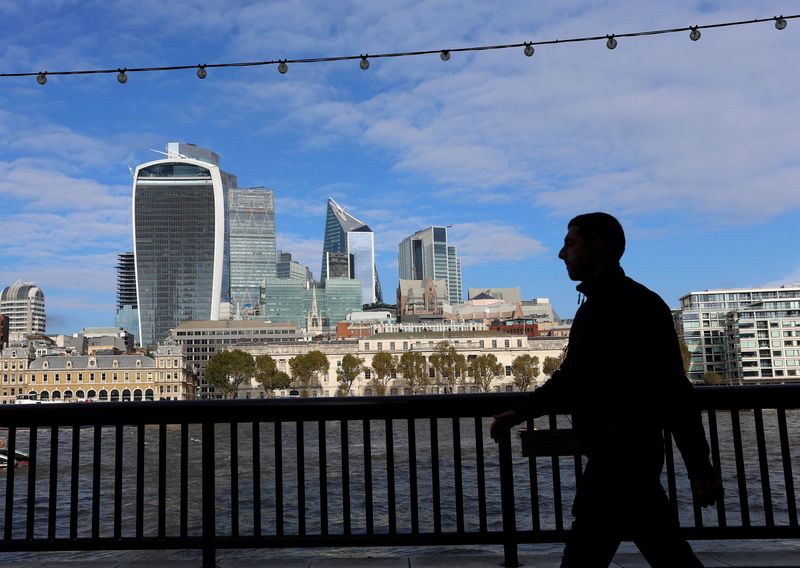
(363, 326)
(251, 213)
(180, 244)
(355, 243)
(14, 361)
(422, 297)
(468, 343)
(23, 304)
(742, 335)
(127, 315)
(199, 340)
(111, 378)
(427, 254)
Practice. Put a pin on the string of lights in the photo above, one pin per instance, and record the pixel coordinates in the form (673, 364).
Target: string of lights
(282, 65)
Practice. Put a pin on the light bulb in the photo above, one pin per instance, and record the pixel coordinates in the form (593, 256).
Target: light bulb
(780, 23)
(364, 64)
(445, 55)
(122, 77)
(694, 35)
(282, 67)
(41, 78)
(201, 72)
(612, 42)
(528, 49)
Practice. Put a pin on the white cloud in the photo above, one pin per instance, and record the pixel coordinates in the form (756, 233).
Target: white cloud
(492, 242)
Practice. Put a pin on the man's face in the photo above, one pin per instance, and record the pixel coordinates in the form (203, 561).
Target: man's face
(577, 256)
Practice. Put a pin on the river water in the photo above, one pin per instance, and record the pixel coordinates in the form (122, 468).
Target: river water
(439, 434)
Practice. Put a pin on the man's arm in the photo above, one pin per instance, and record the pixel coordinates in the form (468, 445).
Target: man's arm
(535, 404)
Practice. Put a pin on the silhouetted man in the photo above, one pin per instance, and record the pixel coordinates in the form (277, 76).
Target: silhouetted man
(623, 380)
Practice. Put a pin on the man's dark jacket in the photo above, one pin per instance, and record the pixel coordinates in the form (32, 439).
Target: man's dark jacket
(624, 382)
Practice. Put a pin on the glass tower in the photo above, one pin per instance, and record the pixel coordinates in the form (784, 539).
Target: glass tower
(127, 316)
(426, 254)
(346, 234)
(179, 244)
(251, 213)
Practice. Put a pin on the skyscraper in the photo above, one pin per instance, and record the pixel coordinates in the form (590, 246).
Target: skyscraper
(426, 254)
(346, 234)
(179, 235)
(251, 213)
(23, 304)
(127, 316)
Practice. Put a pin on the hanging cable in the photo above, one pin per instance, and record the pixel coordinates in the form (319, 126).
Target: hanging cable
(282, 64)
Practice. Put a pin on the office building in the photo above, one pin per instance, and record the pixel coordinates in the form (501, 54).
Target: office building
(199, 340)
(3, 330)
(742, 335)
(427, 254)
(291, 300)
(23, 304)
(346, 235)
(288, 268)
(251, 213)
(127, 314)
(180, 244)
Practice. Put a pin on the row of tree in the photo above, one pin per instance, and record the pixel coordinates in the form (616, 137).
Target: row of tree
(227, 370)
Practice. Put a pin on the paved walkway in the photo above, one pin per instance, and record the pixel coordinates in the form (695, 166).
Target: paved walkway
(760, 559)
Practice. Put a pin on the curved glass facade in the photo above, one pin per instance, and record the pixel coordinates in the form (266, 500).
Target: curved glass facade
(178, 243)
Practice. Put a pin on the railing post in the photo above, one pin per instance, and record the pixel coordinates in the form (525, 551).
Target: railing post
(209, 501)
(511, 558)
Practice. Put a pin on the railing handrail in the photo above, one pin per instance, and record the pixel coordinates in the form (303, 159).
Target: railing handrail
(356, 408)
(474, 407)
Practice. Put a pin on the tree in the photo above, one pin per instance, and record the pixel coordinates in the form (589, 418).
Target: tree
(448, 364)
(550, 365)
(414, 369)
(226, 370)
(713, 378)
(268, 375)
(352, 367)
(686, 355)
(485, 369)
(307, 368)
(525, 369)
(383, 365)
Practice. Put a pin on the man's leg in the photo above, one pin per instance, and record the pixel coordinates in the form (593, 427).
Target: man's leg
(594, 538)
(589, 546)
(657, 534)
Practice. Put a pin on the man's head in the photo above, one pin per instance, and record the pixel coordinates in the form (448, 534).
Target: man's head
(594, 242)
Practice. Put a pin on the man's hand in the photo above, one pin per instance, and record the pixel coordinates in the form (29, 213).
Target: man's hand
(707, 490)
(502, 424)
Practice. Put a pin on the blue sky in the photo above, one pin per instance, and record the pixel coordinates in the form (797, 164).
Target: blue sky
(693, 145)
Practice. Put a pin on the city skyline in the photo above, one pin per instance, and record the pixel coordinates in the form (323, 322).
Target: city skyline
(690, 143)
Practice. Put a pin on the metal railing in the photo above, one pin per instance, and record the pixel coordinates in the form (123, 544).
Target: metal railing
(380, 471)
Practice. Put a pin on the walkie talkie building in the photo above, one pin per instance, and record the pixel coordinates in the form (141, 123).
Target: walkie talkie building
(179, 243)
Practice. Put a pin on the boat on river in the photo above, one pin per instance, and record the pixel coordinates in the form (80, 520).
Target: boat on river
(20, 458)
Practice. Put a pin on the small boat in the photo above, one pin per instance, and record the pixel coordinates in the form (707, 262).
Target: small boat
(20, 458)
